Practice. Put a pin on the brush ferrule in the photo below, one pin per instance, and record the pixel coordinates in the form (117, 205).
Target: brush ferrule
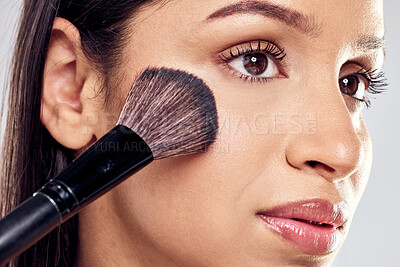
(60, 195)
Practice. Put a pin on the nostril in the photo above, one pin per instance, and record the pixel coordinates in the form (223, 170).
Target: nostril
(318, 165)
(312, 163)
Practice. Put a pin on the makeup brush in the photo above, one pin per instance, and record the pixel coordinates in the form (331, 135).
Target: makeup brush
(167, 113)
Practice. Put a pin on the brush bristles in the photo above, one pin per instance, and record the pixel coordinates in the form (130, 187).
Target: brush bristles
(173, 111)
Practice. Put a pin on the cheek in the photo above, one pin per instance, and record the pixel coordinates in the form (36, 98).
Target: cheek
(192, 188)
(210, 194)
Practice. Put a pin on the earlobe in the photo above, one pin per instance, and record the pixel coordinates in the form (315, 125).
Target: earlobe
(64, 81)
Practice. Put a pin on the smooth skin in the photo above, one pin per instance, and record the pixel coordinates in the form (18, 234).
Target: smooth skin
(200, 210)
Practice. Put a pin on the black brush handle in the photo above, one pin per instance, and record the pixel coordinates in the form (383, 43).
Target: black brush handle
(104, 165)
(25, 225)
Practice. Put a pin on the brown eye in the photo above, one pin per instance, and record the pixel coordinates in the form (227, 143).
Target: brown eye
(255, 63)
(353, 86)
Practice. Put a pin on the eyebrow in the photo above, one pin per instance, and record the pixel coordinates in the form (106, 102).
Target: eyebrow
(368, 42)
(305, 23)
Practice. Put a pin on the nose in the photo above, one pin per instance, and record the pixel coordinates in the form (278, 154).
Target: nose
(334, 150)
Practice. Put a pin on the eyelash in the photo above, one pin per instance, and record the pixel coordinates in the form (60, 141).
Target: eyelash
(377, 80)
(270, 49)
(377, 83)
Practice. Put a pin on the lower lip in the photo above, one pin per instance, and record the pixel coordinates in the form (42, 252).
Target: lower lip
(308, 238)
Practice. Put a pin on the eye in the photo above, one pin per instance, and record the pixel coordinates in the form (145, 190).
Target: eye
(255, 61)
(256, 65)
(354, 86)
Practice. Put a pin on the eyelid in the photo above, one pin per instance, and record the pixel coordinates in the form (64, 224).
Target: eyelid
(253, 46)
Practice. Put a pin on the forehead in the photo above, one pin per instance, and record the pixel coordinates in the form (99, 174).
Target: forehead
(349, 17)
(324, 9)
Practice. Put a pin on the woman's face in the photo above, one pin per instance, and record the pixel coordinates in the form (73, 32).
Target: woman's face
(291, 132)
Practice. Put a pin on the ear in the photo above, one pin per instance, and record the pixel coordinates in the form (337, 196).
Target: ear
(66, 103)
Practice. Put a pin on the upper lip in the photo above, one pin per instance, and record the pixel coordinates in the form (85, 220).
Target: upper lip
(315, 210)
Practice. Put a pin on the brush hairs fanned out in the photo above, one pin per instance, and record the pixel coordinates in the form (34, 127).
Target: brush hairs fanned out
(173, 111)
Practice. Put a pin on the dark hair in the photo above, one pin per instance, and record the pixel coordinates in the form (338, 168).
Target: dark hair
(30, 155)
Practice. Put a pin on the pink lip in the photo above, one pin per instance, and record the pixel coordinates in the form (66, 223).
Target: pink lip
(313, 226)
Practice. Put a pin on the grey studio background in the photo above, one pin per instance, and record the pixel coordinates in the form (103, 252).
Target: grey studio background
(374, 238)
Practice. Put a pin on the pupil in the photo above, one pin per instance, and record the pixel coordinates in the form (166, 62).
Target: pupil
(256, 63)
(349, 85)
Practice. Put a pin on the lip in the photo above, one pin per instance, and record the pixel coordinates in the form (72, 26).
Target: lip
(314, 226)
